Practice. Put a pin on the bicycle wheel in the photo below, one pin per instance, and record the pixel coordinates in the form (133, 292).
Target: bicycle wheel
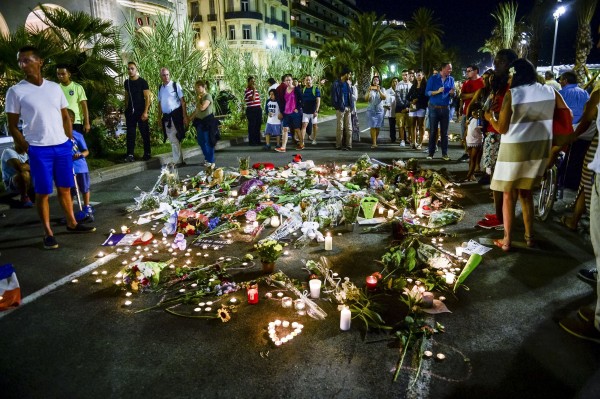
(547, 194)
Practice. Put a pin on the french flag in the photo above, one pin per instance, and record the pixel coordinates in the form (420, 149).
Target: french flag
(10, 292)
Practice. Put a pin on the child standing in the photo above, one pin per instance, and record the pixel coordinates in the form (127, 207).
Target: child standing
(273, 128)
(81, 171)
(474, 141)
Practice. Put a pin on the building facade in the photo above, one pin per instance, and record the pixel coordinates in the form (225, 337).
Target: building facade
(14, 14)
(313, 21)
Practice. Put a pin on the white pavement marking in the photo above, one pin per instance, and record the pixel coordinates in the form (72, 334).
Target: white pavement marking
(62, 281)
(364, 130)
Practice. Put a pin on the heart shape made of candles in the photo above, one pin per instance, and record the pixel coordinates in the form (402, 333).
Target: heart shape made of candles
(278, 327)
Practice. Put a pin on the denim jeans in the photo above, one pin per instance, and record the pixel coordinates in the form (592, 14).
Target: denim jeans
(441, 116)
(204, 142)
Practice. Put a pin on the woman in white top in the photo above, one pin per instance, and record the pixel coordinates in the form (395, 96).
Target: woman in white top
(375, 96)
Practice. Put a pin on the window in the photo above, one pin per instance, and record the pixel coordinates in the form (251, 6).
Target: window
(231, 32)
(230, 5)
(213, 33)
(284, 41)
(244, 5)
(272, 12)
(246, 32)
(194, 9)
(257, 33)
(211, 7)
(284, 16)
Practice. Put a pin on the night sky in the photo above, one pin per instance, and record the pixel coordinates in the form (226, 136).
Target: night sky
(466, 27)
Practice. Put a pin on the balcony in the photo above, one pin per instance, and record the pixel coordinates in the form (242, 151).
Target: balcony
(244, 15)
(311, 28)
(195, 18)
(275, 21)
(284, 3)
(306, 43)
(299, 7)
(211, 17)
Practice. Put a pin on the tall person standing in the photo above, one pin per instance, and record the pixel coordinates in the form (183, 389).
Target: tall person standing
(47, 135)
(172, 114)
(75, 95)
(440, 89)
(253, 112)
(137, 103)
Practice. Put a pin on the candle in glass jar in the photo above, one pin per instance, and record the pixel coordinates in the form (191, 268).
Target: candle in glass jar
(390, 213)
(449, 278)
(299, 304)
(371, 282)
(328, 242)
(345, 319)
(253, 292)
(459, 251)
(286, 302)
(380, 211)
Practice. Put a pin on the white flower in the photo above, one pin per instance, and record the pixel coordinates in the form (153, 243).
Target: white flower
(511, 71)
(439, 262)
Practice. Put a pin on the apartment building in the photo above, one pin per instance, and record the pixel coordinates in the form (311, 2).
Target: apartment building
(313, 21)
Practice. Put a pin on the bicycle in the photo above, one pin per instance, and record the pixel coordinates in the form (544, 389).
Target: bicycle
(551, 186)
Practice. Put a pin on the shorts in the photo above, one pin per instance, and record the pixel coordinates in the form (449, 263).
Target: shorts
(293, 120)
(402, 119)
(51, 164)
(420, 113)
(83, 182)
(307, 118)
(273, 130)
(11, 185)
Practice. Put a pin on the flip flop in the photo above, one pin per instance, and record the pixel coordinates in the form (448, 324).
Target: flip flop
(500, 244)
(563, 221)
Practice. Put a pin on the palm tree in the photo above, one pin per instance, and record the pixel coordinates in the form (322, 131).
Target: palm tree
(536, 22)
(376, 43)
(338, 54)
(425, 29)
(583, 41)
(506, 19)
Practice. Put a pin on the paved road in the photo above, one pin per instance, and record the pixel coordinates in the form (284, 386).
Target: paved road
(502, 339)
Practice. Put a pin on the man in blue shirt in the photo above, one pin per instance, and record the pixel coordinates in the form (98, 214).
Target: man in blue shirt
(440, 89)
(341, 99)
(574, 96)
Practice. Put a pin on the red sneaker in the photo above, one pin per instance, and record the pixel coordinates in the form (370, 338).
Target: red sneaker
(491, 224)
(490, 216)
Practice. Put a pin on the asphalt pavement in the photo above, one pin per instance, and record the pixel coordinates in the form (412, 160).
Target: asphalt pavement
(502, 339)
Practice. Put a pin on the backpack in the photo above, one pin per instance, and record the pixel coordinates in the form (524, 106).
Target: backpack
(174, 90)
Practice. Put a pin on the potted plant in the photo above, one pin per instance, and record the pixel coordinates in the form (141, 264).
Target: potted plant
(268, 252)
(350, 210)
(244, 164)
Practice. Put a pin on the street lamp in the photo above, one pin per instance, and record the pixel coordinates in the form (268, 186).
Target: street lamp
(559, 11)
(271, 42)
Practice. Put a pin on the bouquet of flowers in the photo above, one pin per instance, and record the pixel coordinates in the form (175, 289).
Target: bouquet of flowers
(268, 250)
(351, 208)
(142, 275)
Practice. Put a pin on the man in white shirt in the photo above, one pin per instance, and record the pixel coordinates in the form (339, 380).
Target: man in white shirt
(172, 114)
(47, 136)
(390, 108)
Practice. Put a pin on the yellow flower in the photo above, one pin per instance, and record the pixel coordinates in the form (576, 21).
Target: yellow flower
(278, 247)
(224, 314)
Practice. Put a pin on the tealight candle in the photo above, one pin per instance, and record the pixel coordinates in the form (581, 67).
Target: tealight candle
(197, 309)
(127, 303)
(459, 251)
(440, 356)
(124, 229)
(299, 305)
(285, 324)
(233, 300)
(233, 193)
(280, 294)
(75, 281)
(371, 282)
(381, 211)
(100, 254)
(286, 302)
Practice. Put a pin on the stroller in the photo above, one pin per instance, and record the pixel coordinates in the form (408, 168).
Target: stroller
(82, 216)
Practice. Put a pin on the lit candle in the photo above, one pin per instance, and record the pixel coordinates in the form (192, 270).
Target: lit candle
(127, 303)
(253, 293)
(285, 324)
(100, 254)
(234, 193)
(459, 251)
(345, 319)
(449, 278)
(233, 300)
(299, 305)
(390, 214)
(286, 302)
(380, 211)
(124, 229)
(315, 288)
(371, 282)
(255, 224)
(328, 242)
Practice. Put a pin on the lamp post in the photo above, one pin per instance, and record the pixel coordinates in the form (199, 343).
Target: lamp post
(559, 11)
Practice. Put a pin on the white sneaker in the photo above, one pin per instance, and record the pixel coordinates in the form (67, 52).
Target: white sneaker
(402, 144)
(314, 142)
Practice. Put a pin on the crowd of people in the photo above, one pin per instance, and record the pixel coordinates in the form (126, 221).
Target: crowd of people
(506, 117)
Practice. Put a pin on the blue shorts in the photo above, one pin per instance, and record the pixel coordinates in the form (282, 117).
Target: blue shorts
(51, 164)
(293, 120)
(83, 182)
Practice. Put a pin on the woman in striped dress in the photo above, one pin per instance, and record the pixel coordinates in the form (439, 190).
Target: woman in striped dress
(525, 121)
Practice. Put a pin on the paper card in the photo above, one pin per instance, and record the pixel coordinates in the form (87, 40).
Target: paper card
(473, 247)
(363, 221)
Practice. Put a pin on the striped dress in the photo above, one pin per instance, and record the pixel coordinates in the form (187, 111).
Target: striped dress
(525, 148)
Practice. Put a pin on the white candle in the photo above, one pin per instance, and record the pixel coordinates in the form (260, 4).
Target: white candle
(380, 211)
(315, 288)
(234, 193)
(390, 214)
(285, 324)
(459, 251)
(124, 229)
(255, 224)
(286, 302)
(328, 242)
(345, 319)
(449, 278)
